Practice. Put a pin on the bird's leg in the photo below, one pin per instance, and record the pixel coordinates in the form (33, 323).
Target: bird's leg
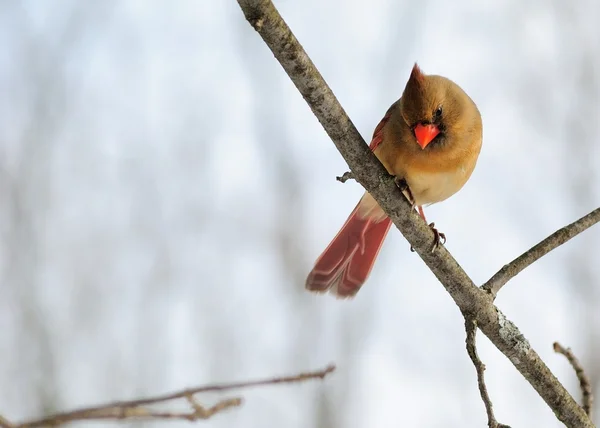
(403, 186)
(438, 237)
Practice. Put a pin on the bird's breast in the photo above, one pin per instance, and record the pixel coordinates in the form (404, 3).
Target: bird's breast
(429, 187)
(431, 175)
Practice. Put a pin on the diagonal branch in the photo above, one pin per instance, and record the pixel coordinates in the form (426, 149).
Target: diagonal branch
(139, 409)
(558, 238)
(370, 173)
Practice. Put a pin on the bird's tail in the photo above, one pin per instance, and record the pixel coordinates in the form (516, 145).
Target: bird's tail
(346, 263)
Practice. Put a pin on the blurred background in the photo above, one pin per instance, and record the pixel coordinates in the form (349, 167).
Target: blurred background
(165, 190)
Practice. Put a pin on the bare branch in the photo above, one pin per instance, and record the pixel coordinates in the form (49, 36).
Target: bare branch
(471, 330)
(124, 411)
(370, 173)
(558, 238)
(138, 409)
(584, 381)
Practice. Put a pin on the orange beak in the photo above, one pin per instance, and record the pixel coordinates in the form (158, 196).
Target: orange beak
(425, 134)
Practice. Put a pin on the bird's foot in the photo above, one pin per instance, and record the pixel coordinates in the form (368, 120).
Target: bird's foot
(403, 186)
(439, 238)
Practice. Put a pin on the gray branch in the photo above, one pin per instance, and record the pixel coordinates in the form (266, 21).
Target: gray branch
(370, 173)
(558, 238)
(584, 381)
(139, 409)
(471, 330)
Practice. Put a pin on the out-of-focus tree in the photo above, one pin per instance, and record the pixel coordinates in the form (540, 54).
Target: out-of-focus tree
(37, 103)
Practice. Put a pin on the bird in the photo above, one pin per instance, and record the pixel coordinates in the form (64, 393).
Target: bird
(429, 140)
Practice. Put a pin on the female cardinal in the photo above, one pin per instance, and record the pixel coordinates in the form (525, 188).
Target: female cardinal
(429, 140)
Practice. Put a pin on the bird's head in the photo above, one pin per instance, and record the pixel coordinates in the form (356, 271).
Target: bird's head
(435, 109)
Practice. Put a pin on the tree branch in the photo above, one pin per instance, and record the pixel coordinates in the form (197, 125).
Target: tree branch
(471, 330)
(558, 238)
(584, 381)
(125, 411)
(370, 173)
(138, 409)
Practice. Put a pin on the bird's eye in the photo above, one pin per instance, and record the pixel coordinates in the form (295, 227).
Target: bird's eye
(438, 113)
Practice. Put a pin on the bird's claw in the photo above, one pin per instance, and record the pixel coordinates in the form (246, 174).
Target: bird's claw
(401, 183)
(439, 238)
(403, 186)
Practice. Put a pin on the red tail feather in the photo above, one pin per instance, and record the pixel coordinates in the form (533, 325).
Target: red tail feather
(346, 263)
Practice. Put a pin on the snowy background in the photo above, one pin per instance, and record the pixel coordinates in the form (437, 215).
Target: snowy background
(165, 190)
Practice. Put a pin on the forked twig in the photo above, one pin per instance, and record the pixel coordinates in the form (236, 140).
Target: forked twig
(139, 409)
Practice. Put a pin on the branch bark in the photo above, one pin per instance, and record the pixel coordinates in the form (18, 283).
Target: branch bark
(471, 330)
(139, 410)
(587, 393)
(370, 173)
(558, 238)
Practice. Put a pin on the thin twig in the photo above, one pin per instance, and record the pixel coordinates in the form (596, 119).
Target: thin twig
(198, 412)
(345, 177)
(138, 409)
(558, 238)
(584, 380)
(371, 174)
(471, 330)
